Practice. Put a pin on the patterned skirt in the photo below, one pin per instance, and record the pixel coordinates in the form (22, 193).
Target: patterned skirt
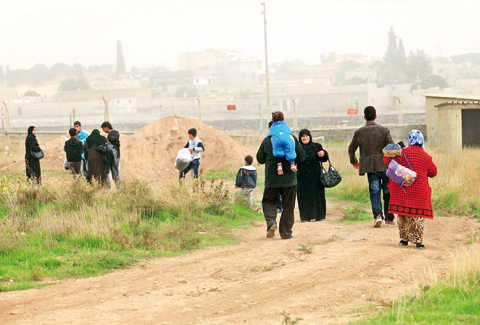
(411, 229)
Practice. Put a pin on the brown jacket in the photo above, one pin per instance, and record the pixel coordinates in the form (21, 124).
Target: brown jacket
(371, 139)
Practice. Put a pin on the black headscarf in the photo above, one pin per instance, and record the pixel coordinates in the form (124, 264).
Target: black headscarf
(30, 130)
(95, 139)
(309, 145)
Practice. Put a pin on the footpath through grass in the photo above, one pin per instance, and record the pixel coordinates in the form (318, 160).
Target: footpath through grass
(67, 229)
(453, 300)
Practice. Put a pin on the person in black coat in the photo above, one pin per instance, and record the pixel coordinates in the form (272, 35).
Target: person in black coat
(310, 192)
(32, 165)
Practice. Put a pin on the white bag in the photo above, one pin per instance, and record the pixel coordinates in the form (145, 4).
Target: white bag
(184, 158)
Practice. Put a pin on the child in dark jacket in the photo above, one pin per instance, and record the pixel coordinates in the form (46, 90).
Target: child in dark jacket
(283, 143)
(247, 179)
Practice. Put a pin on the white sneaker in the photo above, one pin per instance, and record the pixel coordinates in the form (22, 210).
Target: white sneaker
(378, 222)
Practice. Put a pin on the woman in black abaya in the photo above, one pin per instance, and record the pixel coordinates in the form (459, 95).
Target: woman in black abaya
(310, 191)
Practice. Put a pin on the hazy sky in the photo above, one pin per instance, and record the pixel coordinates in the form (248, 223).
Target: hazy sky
(153, 32)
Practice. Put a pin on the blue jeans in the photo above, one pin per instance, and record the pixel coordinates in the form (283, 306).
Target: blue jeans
(377, 183)
(84, 168)
(194, 165)
(115, 170)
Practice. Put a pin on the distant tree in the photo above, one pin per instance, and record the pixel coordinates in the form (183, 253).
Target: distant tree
(349, 64)
(186, 92)
(31, 93)
(327, 58)
(78, 69)
(418, 65)
(39, 74)
(121, 69)
(473, 58)
(355, 81)
(2, 76)
(60, 69)
(73, 84)
(17, 77)
(393, 69)
(432, 81)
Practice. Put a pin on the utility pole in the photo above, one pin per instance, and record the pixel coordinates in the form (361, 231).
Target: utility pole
(199, 110)
(400, 111)
(261, 120)
(7, 116)
(295, 124)
(105, 113)
(73, 114)
(266, 55)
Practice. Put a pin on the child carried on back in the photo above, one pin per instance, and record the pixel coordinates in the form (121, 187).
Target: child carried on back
(283, 143)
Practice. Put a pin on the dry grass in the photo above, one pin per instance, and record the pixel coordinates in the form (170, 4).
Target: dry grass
(455, 190)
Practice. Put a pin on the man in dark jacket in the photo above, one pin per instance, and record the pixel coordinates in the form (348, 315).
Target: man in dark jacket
(371, 139)
(285, 185)
(114, 138)
(74, 150)
(247, 179)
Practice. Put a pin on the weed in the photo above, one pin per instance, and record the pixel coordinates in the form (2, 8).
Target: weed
(306, 248)
(288, 320)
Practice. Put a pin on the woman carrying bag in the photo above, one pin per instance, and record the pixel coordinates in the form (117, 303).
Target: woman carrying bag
(310, 190)
(97, 167)
(33, 154)
(413, 203)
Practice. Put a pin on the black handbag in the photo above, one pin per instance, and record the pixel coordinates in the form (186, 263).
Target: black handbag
(330, 178)
(37, 155)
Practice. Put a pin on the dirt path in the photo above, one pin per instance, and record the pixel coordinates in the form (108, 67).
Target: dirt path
(351, 267)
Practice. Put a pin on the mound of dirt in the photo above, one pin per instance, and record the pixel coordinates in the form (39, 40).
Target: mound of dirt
(150, 153)
(53, 160)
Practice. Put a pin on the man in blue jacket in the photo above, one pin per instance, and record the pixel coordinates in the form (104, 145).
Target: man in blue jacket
(82, 135)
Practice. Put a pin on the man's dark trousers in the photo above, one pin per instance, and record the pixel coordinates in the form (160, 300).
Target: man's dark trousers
(378, 183)
(270, 196)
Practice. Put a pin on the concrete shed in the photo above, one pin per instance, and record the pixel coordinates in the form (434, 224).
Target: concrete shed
(453, 122)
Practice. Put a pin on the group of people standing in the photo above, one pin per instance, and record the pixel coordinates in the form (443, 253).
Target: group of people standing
(91, 155)
(411, 204)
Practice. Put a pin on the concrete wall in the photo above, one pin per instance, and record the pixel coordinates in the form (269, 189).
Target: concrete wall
(398, 132)
(448, 129)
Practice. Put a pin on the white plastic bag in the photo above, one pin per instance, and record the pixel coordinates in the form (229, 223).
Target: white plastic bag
(184, 158)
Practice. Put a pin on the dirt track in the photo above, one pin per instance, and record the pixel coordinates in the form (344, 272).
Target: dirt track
(252, 282)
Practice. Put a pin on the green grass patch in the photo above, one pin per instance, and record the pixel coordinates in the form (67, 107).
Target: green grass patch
(354, 215)
(442, 304)
(49, 233)
(220, 175)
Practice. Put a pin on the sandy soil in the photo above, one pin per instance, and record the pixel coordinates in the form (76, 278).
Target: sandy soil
(351, 268)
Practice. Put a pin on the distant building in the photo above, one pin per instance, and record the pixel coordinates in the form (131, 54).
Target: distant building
(220, 67)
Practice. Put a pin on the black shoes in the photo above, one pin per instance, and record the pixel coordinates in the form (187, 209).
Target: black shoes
(403, 243)
(420, 246)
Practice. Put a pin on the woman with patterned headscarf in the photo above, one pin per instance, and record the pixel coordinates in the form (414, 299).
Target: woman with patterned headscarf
(33, 170)
(413, 204)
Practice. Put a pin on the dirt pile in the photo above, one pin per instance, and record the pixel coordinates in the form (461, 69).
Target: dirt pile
(53, 160)
(150, 153)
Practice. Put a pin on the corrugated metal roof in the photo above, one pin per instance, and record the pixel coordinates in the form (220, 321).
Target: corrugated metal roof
(462, 102)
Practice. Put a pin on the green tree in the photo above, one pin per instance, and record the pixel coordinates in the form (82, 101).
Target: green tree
(394, 68)
(31, 93)
(418, 65)
(326, 58)
(39, 74)
(73, 84)
(349, 64)
(17, 77)
(60, 69)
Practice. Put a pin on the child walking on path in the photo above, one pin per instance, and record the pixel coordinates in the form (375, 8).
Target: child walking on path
(247, 179)
(282, 141)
